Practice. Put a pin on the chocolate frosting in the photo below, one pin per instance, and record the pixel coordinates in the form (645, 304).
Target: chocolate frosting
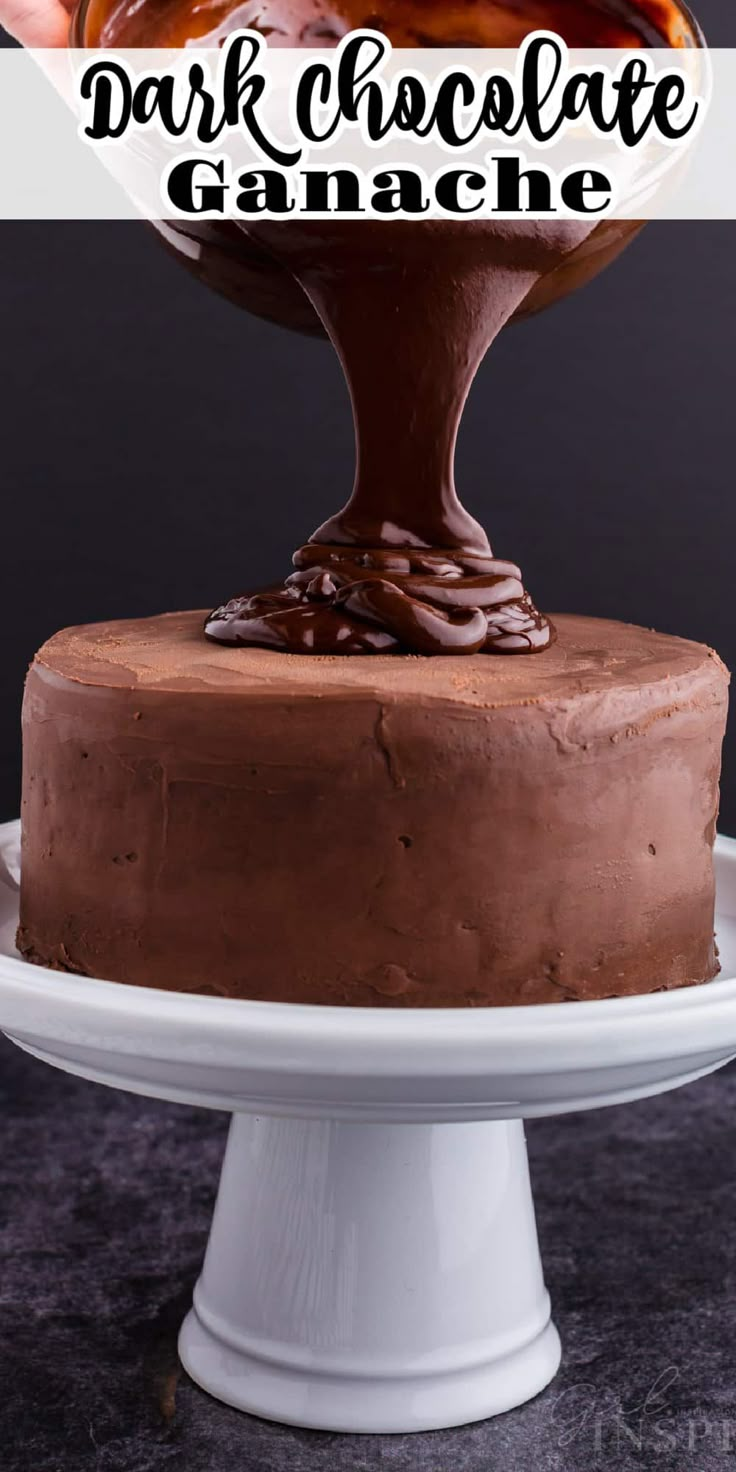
(372, 832)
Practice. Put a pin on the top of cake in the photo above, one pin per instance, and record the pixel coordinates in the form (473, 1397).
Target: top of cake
(168, 653)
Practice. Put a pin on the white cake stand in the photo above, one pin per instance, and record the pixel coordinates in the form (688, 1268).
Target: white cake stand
(373, 1261)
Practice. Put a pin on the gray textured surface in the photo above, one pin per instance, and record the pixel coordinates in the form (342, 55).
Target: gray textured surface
(104, 1209)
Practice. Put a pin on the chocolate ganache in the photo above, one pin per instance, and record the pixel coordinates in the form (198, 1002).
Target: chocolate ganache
(411, 309)
(403, 567)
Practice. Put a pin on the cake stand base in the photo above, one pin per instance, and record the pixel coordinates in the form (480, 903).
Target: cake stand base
(373, 1262)
(372, 1277)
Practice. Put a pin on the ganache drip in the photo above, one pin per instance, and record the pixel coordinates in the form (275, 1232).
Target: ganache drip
(353, 600)
(404, 568)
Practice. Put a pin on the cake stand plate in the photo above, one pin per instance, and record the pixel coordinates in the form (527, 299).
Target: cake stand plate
(373, 1261)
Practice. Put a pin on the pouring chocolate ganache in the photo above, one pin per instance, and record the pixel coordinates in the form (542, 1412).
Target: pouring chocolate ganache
(411, 309)
(403, 567)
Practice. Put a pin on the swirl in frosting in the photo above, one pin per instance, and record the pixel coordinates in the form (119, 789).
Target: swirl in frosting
(353, 600)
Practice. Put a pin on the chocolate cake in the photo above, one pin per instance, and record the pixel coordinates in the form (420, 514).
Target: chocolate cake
(393, 830)
(348, 792)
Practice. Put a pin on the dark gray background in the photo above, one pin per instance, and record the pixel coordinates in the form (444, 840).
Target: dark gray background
(105, 1204)
(161, 449)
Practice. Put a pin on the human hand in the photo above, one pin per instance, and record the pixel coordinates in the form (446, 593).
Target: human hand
(36, 22)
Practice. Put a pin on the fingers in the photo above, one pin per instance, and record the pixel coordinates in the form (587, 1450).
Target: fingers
(35, 22)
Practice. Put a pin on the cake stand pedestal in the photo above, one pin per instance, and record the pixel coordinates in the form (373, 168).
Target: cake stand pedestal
(372, 1277)
(373, 1261)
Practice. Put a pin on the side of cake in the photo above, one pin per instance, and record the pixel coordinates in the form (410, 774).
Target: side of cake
(388, 831)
